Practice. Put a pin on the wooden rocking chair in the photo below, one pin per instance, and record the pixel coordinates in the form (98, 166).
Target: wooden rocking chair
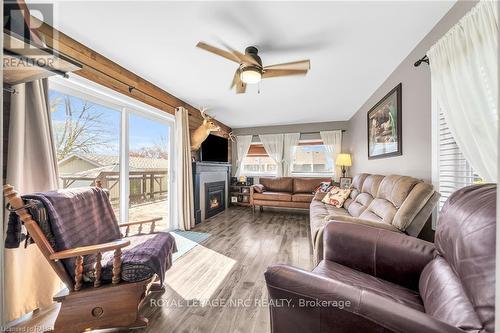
(87, 307)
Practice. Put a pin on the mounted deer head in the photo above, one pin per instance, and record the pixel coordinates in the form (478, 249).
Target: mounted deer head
(201, 133)
(231, 136)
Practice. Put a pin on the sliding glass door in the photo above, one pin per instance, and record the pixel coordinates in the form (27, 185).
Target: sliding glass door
(148, 160)
(107, 140)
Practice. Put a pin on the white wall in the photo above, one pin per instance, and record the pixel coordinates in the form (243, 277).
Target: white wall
(416, 107)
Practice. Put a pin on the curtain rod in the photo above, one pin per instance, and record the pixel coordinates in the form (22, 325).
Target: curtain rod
(10, 90)
(317, 132)
(425, 59)
(343, 131)
(129, 87)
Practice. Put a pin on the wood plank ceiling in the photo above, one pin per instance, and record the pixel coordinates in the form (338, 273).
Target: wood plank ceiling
(102, 70)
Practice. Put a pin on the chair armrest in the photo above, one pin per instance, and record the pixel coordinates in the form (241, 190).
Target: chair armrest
(302, 301)
(91, 249)
(392, 256)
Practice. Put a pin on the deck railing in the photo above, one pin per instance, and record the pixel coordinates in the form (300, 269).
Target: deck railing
(145, 186)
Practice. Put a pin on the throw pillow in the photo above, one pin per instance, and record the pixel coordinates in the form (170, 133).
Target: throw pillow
(323, 187)
(318, 196)
(258, 188)
(336, 196)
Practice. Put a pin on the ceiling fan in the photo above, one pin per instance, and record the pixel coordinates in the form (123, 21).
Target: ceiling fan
(250, 68)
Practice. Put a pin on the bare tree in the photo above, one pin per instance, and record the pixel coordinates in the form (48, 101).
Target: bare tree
(83, 130)
(158, 150)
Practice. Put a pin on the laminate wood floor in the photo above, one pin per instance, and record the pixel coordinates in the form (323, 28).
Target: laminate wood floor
(219, 285)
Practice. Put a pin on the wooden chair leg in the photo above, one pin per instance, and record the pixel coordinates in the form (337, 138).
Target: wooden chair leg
(261, 208)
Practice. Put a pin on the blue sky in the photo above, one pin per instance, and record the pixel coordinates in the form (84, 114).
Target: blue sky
(142, 132)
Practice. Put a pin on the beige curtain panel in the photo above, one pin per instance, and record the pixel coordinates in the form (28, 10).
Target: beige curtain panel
(464, 77)
(183, 171)
(30, 283)
(290, 140)
(333, 143)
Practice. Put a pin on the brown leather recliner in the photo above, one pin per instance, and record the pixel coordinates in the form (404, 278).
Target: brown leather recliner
(375, 280)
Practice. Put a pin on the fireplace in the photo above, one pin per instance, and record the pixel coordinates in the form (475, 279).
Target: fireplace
(215, 193)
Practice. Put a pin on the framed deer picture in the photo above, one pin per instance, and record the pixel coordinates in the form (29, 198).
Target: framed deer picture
(384, 126)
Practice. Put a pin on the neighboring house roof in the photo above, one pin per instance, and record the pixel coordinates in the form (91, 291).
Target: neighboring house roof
(110, 163)
(140, 163)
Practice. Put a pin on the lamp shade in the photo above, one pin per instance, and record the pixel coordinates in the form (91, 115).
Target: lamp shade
(343, 160)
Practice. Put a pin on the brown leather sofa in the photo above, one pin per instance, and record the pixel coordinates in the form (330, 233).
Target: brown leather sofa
(289, 192)
(396, 203)
(375, 280)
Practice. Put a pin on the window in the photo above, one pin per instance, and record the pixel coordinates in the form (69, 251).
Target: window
(87, 137)
(311, 158)
(453, 170)
(108, 138)
(258, 162)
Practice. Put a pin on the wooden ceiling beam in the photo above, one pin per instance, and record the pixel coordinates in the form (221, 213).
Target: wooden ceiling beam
(104, 71)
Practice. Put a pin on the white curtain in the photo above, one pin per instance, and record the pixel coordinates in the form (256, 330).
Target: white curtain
(183, 171)
(333, 142)
(30, 282)
(243, 143)
(290, 140)
(273, 144)
(464, 82)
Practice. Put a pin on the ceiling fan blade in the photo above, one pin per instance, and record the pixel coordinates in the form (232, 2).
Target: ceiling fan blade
(244, 58)
(295, 65)
(282, 72)
(219, 52)
(236, 79)
(240, 86)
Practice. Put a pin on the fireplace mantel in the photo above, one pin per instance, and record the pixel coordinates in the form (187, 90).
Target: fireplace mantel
(203, 170)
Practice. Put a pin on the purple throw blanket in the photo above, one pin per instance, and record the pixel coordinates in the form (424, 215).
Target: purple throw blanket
(84, 216)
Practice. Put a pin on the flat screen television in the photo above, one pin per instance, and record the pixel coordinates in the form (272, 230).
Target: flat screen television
(214, 149)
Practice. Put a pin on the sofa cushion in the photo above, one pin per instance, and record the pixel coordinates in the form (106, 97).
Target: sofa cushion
(444, 296)
(280, 184)
(356, 186)
(396, 188)
(359, 204)
(370, 284)
(302, 197)
(371, 184)
(379, 210)
(273, 196)
(334, 211)
(307, 185)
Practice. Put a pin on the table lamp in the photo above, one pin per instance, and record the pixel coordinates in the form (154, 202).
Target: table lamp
(343, 160)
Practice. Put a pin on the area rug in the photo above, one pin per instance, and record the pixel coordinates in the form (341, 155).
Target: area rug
(186, 241)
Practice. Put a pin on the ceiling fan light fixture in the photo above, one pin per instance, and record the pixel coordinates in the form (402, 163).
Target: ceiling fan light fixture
(250, 75)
